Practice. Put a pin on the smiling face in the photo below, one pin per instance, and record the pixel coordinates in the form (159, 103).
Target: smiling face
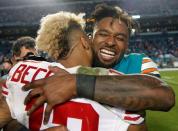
(110, 41)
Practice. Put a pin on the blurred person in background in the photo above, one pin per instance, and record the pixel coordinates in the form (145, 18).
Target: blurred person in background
(6, 66)
(22, 48)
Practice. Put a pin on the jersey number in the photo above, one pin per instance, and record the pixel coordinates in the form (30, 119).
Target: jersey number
(75, 115)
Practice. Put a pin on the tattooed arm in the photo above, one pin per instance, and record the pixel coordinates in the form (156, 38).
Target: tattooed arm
(131, 92)
(134, 92)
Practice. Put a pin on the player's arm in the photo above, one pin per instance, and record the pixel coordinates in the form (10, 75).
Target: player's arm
(131, 92)
(5, 115)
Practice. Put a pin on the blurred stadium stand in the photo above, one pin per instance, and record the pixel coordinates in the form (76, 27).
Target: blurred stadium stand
(158, 37)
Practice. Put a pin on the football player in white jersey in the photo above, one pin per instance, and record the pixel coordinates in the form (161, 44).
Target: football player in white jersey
(68, 44)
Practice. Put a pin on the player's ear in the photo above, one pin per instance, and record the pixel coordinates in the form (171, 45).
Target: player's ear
(85, 42)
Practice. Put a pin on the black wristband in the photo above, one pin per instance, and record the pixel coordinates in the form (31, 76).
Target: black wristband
(85, 86)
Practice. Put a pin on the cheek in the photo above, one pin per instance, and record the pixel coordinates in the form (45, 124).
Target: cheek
(122, 46)
(97, 44)
(100, 40)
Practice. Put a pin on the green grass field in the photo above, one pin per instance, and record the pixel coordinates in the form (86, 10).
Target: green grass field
(165, 121)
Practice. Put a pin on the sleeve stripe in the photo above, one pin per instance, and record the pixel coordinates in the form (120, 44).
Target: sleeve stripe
(5, 90)
(146, 61)
(5, 93)
(149, 70)
(131, 118)
(148, 65)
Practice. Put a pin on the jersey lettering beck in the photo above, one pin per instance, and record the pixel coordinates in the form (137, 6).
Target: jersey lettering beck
(77, 114)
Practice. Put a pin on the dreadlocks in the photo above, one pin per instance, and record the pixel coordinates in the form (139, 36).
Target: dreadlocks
(102, 10)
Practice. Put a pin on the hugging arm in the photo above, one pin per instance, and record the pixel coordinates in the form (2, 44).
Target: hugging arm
(131, 92)
(134, 92)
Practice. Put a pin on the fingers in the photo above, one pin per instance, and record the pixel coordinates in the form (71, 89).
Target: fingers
(34, 84)
(47, 113)
(33, 93)
(39, 101)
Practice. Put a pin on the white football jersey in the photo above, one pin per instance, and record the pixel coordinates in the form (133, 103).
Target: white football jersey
(78, 114)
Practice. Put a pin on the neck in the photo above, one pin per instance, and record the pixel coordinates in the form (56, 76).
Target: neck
(77, 56)
(68, 63)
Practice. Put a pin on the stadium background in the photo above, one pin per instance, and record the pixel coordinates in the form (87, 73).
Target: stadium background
(158, 37)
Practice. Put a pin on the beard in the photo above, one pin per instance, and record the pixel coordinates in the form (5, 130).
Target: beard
(98, 63)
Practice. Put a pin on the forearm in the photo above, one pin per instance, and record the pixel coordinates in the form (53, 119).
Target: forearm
(134, 92)
(5, 116)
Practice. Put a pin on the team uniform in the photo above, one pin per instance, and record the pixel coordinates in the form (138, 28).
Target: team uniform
(137, 64)
(78, 114)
